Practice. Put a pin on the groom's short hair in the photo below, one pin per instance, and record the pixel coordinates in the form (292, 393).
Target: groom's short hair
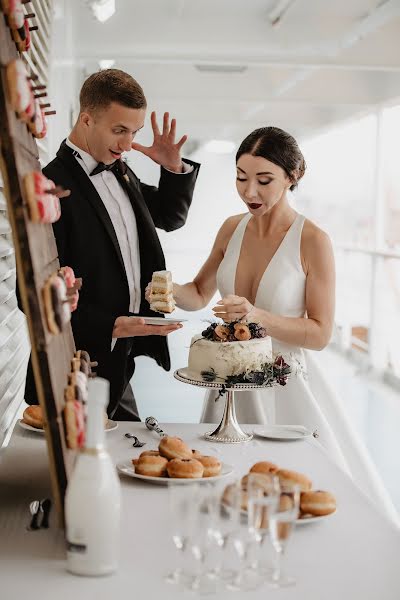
(111, 85)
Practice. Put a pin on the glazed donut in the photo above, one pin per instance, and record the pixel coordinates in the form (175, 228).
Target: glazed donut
(14, 13)
(33, 416)
(317, 502)
(174, 447)
(74, 422)
(37, 125)
(20, 90)
(44, 207)
(185, 468)
(212, 466)
(145, 453)
(289, 478)
(56, 305)
(264, 467)
(153, 466)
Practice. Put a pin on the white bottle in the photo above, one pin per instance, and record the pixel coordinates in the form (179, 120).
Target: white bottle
(93, 497)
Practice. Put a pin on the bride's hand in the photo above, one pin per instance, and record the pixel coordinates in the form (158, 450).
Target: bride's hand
(233, 308)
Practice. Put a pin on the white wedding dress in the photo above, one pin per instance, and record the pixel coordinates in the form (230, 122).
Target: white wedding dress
(307, 398)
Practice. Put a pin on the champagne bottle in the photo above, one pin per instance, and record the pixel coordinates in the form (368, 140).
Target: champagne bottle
(93, 497)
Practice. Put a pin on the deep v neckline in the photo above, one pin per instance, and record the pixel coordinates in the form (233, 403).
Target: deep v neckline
(270, 261)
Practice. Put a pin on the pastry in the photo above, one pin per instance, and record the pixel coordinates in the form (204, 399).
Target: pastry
(212, 466)
(145, 453)
(37, 125)
(185, 468)
(14, 13)
(44, 207)
(196, 453)
(317, 502)
(74, 422)
(56, 304)
(79, 380)
(20, 90)
(290, 478)
(161, 296)
(174, 447)
(73, 286)
(264, 467)
(22, 37)
(33, 416)
(150, 465)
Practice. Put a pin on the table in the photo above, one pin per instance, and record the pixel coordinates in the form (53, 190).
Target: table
(353, 554)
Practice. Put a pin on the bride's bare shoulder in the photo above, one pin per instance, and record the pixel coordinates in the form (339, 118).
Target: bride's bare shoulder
(315, 242)
(227, 228)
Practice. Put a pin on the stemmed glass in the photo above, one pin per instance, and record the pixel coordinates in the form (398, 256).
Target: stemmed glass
(226, 525)
(281, 524)
(182, 502)
(263, 497)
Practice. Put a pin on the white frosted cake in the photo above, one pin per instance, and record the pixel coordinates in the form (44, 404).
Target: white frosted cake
(231, 353)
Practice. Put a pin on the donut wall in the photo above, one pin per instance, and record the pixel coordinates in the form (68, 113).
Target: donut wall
(48, 294)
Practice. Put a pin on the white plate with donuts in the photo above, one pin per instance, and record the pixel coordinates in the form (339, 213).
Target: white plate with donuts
(126, 468)
(283, 432)
(110, 426)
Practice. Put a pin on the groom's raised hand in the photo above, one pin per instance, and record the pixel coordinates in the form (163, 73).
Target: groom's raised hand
(164, 151)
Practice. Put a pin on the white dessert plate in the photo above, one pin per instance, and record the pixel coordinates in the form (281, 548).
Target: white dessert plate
(110, 426)
(126, 468)
(29, 427)
(283, 432)
(162, 320)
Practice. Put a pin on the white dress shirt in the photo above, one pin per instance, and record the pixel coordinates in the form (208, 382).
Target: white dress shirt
(120, 211)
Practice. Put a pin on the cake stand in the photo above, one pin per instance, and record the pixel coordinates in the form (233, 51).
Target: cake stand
(229, 430)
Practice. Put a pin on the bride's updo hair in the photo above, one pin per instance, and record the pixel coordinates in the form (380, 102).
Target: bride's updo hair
(277, 146)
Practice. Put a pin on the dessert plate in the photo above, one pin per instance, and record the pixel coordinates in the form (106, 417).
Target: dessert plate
(162, 320)
(283, 432)
(110, 426)
(126, 468)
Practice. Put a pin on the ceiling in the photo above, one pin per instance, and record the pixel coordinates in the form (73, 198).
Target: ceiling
(225, 67)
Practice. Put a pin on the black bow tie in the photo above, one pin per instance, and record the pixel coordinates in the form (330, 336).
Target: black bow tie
(118, 168)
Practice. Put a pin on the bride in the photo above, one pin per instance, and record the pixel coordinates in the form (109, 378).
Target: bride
(273, 266)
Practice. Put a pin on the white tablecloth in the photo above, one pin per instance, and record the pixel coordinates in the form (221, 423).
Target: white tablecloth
(352, 555)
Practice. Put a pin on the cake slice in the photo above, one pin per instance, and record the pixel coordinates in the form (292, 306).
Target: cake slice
(161, 297)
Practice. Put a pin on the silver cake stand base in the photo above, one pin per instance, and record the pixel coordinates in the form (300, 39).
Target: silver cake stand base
(229, 430)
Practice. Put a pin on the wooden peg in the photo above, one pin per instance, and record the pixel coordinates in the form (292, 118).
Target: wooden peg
(44, 105)
(33, 28)
(33, 77)
(30, 16)
(38, 87)
(50, 112)
(42, 95)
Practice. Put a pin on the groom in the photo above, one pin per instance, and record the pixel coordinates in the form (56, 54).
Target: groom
(107, 230)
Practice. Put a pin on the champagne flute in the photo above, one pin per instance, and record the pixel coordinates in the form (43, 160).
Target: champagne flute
(281, 525)
(182, 509)
(263, 497)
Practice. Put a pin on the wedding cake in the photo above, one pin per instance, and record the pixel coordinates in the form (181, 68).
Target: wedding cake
(232, 353)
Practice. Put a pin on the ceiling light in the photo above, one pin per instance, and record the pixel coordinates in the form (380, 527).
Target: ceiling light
(220, 146)
(106, 64)
(102, 9)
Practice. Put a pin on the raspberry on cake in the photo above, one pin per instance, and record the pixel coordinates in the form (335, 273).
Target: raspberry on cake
(161, 297)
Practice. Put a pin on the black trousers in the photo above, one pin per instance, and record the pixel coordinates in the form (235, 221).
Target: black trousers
(127, 409)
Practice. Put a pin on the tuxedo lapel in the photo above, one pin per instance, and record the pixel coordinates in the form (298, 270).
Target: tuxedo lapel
(89, 191)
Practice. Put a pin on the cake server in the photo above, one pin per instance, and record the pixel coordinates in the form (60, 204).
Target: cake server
(152, 424)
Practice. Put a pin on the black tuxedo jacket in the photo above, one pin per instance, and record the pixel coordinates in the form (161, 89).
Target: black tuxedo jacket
(87, 242)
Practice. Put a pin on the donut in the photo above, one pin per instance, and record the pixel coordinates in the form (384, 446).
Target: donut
(211, 464)
(79, 381)
(174, 447)
(14, 13)
(33, 416)
(56, 305)
(317, 502)
(290, 478)
(37, 125)
(20, 90)
(185, 468)
(260, 480)
(73, 285)
(74, 422)
(153, 466)
(44, 207)
(264, 467)
(22, 37)
(145, 453)
(227, 497)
